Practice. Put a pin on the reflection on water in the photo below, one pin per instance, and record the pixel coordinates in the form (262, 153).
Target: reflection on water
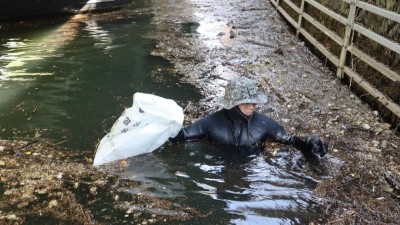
(229, 191)
(92, 69)
(104, 39)
(23, 55)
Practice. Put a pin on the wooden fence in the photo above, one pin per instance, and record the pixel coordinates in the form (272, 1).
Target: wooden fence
(346, 42)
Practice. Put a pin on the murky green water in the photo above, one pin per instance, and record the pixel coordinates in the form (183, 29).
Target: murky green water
(222, 188)
(69, 81)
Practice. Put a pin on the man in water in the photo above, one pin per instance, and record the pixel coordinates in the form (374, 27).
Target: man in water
(238, 125)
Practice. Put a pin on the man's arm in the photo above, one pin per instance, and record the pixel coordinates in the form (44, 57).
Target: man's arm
(195, 131)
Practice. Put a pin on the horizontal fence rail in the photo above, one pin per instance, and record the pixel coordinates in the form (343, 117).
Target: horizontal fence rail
(345, 42)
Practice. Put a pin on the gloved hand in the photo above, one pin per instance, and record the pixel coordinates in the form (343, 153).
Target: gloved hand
(312, 147)
(318, 146)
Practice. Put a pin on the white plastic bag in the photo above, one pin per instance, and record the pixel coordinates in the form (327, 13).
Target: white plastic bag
(140, 129)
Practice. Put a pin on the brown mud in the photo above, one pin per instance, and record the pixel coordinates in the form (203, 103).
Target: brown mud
(40, 182)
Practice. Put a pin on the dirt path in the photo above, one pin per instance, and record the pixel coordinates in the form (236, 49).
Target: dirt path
(41, 184)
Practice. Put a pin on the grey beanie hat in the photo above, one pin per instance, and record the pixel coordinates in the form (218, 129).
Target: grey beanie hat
(241, 90)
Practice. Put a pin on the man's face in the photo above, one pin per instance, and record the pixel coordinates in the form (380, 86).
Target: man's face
(247, 108)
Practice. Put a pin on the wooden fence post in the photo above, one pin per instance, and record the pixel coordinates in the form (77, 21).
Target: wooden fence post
(300, 17)
(346, 38)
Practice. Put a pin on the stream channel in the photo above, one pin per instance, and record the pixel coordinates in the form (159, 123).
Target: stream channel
(68, 81)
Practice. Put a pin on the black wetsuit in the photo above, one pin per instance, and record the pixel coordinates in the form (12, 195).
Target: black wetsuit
(232, 128)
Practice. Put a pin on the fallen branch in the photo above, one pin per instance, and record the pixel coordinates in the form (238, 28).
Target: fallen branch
(18, 106)
(390, 178)
(255, 9)
(27, 144)
(261, 44)
(34, 110)
(353, 149)
(58, 143)
(187, 106)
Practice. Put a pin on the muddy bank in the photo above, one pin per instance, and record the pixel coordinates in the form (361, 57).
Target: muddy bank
(210, 42)
(41, 183)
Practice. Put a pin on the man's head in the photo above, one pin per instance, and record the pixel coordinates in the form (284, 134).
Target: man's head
(242, 92)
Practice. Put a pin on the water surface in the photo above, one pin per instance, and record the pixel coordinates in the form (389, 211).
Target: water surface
(70, 79)
(223, 188)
